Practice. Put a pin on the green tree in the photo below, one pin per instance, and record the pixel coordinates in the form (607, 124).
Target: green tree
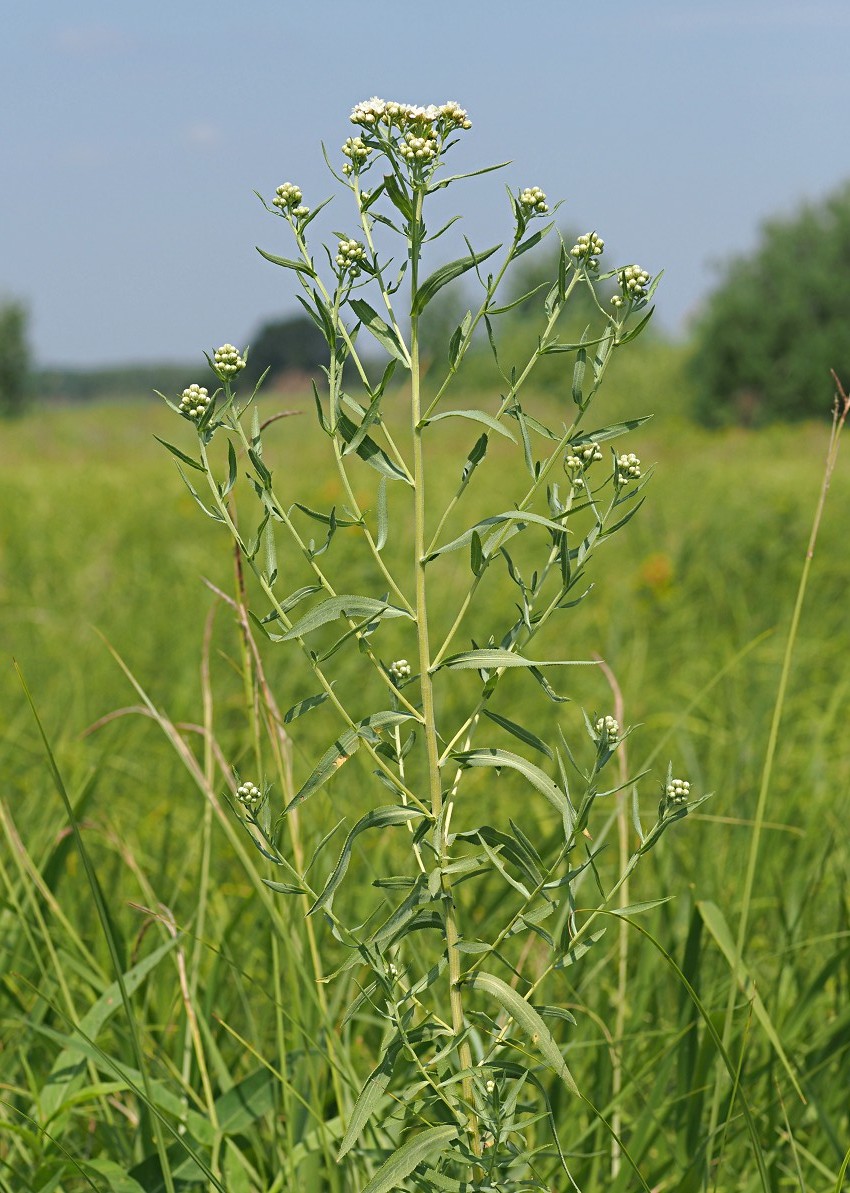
(14, 359)
(778, 321)
(290, 345)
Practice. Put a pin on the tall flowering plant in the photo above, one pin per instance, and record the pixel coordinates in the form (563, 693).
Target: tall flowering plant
(473, 1041)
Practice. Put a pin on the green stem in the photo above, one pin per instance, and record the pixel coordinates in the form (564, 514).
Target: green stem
(450, 923)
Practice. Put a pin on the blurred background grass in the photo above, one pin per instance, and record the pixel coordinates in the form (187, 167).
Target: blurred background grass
(102, 541)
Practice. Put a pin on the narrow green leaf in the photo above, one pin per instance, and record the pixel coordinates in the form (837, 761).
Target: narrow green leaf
(382, 515)
(611, 432)
(369, 452)
(528, 1019)
(477, 416)
(520, 518)
(445, 274)
(525, 735)
(637, 329)
(298, 710)
(326, 518)
(479, 451)
(355, 607)
(371, 1096)
(427, 1145)
(438, 186)
(548, 788)
(386, 336)
(66, 1068)
(389, 815)
(398, 196)
(532, 240)
(298, 266)
(715, 921)
(175, 451)
(345, 747)
(489, 657)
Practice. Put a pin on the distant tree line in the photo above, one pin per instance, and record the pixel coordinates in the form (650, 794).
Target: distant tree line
(779, 321)
(762, 347)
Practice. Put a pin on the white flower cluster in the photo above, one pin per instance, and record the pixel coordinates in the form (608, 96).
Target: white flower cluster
(608, 727)
(629, 468)
(418, 149)
(583, 455)
(248, 795)
(677, 791)
(440, 117)
(400, 670)
(534, 200)
(588, 248)
(357, 150)
(349, 255)
(227, 361)
(288, 198)
(194, 401)
(633, 281)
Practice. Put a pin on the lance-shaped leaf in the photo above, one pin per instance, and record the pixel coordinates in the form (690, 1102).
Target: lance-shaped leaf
(386, 336)
(477, 416)
(345, 746)
(489, 657)
(612, 432)
(520, 518)
(384, 817)
(528, 1019)
(298, 266)
(175, 451)
(445, 274)
(427, 1145)
(368, 451)
(539, 780)
(370, 1096)
(67, 1067)
(357, 607)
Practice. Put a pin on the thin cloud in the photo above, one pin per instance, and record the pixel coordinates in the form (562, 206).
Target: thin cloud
(203, 135)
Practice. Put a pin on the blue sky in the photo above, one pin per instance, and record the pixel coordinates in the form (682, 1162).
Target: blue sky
(135, 135)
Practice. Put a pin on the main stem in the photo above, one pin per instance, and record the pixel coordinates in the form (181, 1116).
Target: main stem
(427, 689)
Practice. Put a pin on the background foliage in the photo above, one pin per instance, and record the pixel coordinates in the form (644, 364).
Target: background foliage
(777, 322)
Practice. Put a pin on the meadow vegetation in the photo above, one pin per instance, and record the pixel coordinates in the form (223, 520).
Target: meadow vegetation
(442, 1017)
(690, 616)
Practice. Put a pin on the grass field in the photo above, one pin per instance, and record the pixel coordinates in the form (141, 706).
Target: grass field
(101, 545)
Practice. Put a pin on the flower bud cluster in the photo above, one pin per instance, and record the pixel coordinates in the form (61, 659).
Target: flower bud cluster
(583, 455)
(194, 401)
(349, 255)
(288, 198)
(400, 670)
(416, 148)
(227, 362)
(533, 200)
(609, 728)
(248, 796)
(677, 791)
(633, 282)
(357, 150)
(588, 249)
(628, 467)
